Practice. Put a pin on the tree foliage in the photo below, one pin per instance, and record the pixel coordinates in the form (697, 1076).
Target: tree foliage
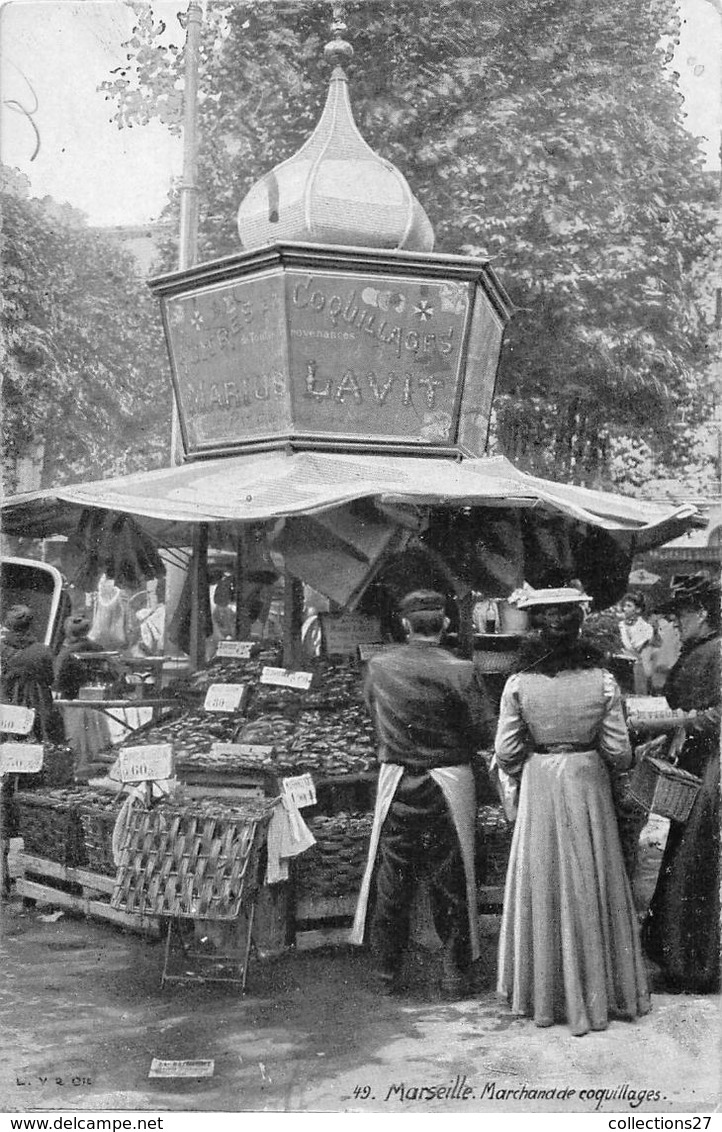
(545, 134)
(84, 369)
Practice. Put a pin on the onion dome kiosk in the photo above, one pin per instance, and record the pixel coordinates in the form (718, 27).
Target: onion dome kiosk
(337, 329)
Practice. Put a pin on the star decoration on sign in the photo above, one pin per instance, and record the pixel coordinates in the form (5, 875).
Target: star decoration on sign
(423, 309)
(196, 320)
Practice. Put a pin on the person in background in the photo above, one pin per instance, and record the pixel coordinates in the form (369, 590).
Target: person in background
(27, 674)
(151, 621)
(681, 933)
(86, 729)
(71, 671)
(431, 715)
(638, 639)
(568, 946)
(665, 651)
(113, 626)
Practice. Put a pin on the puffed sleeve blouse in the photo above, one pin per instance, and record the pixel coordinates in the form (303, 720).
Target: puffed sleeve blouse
(579, 708)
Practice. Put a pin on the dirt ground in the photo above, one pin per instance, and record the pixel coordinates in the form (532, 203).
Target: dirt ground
(84, 1015)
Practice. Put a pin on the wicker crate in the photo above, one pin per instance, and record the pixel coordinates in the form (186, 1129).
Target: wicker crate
(49, 824)
(57, 770)
(98, 820)
(200, 863)
(334, 866)
(664, 789)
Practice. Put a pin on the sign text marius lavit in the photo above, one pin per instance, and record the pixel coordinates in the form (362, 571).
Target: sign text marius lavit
(300, 343)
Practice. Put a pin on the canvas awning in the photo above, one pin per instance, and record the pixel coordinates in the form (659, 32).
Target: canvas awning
(234, 490)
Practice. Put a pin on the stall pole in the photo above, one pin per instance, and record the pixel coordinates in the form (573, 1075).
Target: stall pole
(243, 624)
(188, 192)
(199, 580)
(187, 243)
(466, 625)
(292, 619)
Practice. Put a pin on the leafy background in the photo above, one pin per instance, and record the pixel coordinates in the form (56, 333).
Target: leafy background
(545, 134)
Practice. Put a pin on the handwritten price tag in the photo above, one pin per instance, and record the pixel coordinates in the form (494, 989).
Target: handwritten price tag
(224, 697)
(242, 650)
(16, 720)
(286, 679)
(250, 751)
(300, 790)
(21, 758)
(152, 761)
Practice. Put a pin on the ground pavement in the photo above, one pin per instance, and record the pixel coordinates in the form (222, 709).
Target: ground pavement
(84, 1015)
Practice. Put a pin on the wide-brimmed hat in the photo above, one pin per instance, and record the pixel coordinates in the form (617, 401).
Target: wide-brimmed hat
(697, 591)
(529, 598)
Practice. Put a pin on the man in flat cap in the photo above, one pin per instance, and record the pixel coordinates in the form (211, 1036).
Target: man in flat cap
(432, 715)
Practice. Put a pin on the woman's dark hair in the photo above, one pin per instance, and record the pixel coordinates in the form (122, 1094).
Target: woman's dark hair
(426, 622)
(570, 621)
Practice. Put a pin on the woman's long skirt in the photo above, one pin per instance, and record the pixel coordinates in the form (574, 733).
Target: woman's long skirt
(569, 946)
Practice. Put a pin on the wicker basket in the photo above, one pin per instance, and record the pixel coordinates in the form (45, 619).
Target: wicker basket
(57, 769)
(192, 864)
(98, 823)
(334, 866)
(50, 826)
(664, 789)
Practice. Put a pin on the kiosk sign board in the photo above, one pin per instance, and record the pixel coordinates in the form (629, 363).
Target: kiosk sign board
(307, 344)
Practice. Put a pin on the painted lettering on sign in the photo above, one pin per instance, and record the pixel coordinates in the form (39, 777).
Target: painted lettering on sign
(21, 758)
(300, 789)
(398, 374)
(147, 762)
(16, 720)
(224, 697)
(286, 679)
(241, 649)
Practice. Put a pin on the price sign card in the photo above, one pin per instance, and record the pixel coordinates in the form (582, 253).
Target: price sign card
(21, 758)
(240, 650)
(344, 632)
(224, 697)
(253, 751)
(150, 762)
(159, 1068)
(286, 679)
(16, 720)
(300, 790)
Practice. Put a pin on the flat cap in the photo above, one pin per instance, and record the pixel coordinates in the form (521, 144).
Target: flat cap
(422, 601)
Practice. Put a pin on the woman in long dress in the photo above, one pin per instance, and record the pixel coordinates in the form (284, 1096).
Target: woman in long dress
(682, 931)
(569, 948)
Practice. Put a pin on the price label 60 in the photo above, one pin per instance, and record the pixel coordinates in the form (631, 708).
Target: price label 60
(150, 762)
(224, 697)
(16, 720)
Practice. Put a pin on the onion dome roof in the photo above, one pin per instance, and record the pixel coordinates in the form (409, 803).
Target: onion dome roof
(335, 190)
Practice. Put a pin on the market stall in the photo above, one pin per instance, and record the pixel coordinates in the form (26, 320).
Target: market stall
(334, 384)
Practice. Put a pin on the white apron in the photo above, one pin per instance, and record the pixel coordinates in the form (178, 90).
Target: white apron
(457, 785)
